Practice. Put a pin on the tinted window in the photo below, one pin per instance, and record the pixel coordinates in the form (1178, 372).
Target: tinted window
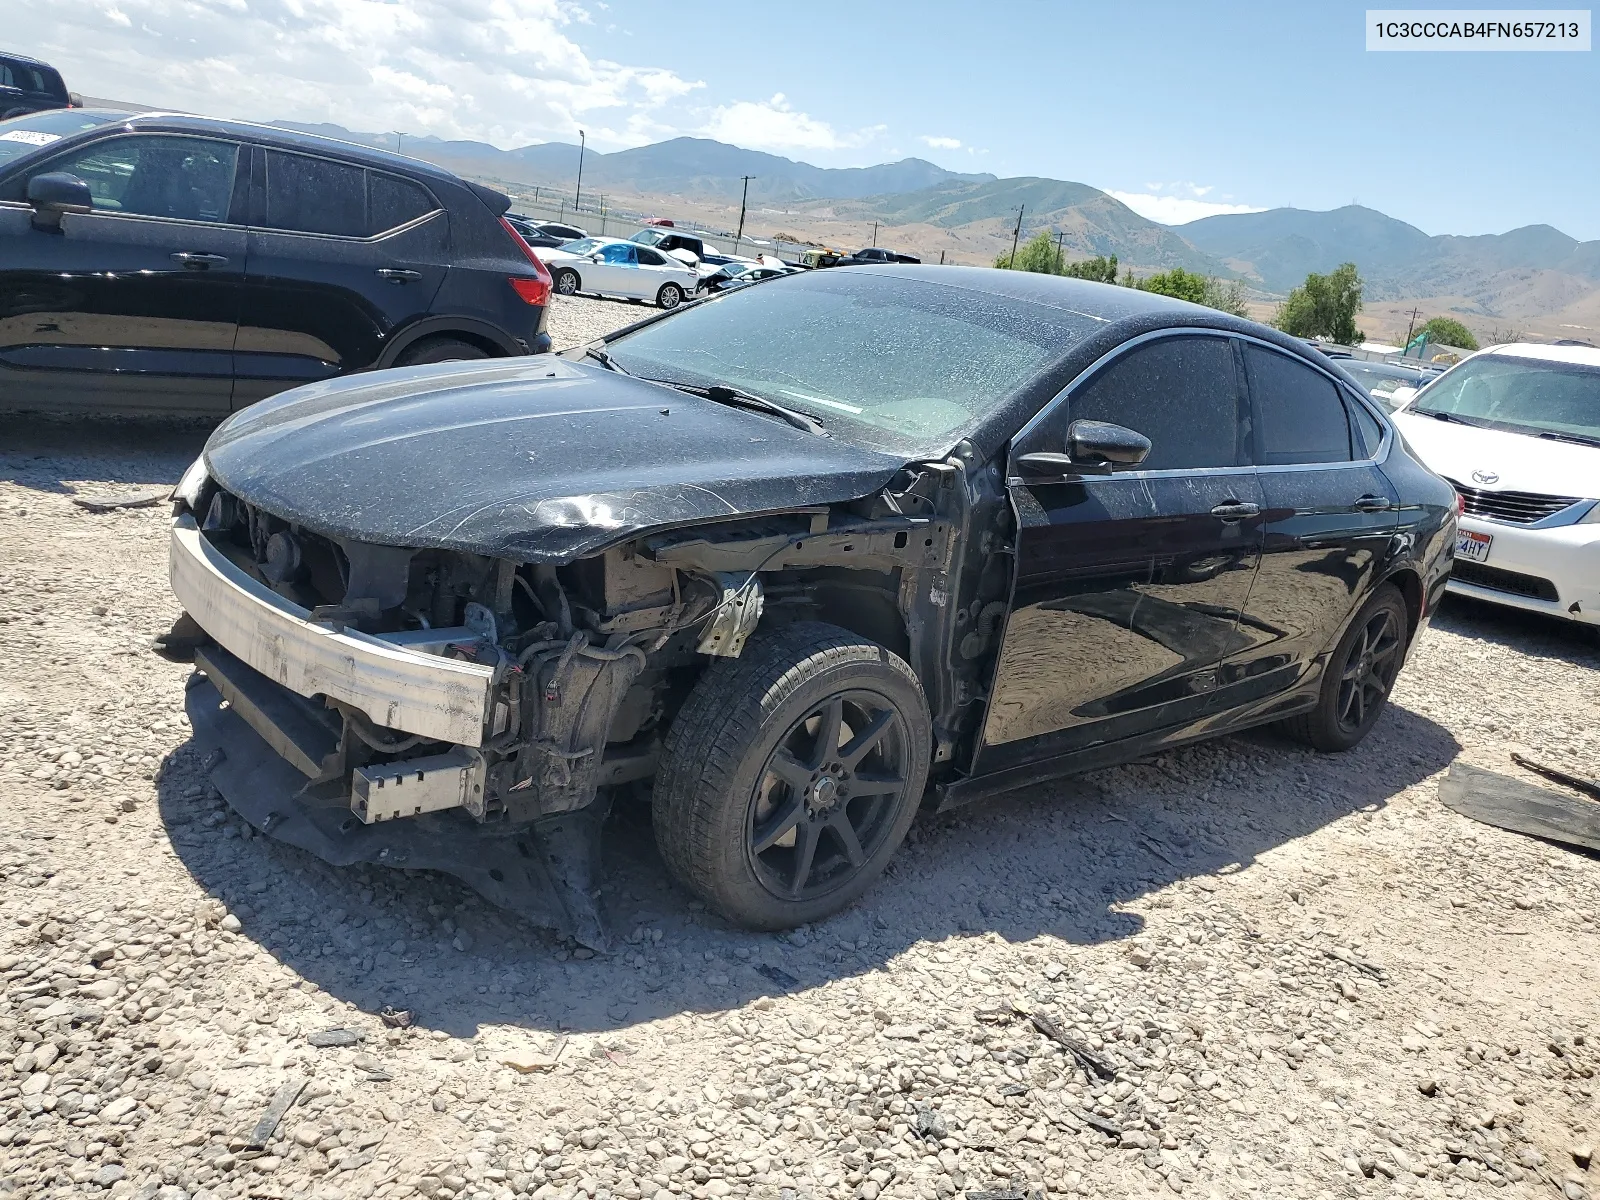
(188, 179)
(313, 195)
(650, 258)
(394, 201)
(1367, 432)
(1299, 415)
(620, 255)
(29, 78)
(1180, 392)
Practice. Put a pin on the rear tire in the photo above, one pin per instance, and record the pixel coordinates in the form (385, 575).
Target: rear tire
(438, 350)
(670, 296)
(791, 774)
(567, 282)
(1359, 676)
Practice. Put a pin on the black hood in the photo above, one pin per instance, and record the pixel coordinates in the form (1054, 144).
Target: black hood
(535, 459)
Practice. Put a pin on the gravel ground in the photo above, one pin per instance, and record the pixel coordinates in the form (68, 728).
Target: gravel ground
(1239, 969)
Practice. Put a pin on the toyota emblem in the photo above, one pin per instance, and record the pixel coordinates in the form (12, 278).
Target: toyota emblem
(1485, 477)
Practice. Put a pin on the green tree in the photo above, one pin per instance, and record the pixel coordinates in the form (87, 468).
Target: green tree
(1037, 254)
(1324, 306)
(1225, 294)
(1449, 331)
(1177, 283)
(1099, 269)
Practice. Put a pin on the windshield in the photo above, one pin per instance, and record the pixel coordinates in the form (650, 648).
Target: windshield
(24, 135)
(903, 365)
(1381, 380)
(1523, 395)
(648, 237)
(581, 246)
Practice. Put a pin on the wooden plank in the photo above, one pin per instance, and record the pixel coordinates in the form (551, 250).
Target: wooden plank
(1509, 803)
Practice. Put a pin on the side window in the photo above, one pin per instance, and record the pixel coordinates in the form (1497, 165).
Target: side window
(187, 179)
(393, 201)
(313, 195)
(1365, 428)
(1180, 392)
(618, 255)
(1300, 417)
(649, 258)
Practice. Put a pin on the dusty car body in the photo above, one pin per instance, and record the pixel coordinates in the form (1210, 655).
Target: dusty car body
(448, 611)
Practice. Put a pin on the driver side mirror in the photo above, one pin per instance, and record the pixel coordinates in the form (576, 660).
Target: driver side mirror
(1093, 448)
(55, 193)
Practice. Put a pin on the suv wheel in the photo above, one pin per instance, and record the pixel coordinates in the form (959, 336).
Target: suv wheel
(439, 349)
(791, 774)
(670, 296)
(1359, 676)
(566, 282)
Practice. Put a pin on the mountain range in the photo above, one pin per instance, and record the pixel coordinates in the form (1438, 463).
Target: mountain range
(1533, 272)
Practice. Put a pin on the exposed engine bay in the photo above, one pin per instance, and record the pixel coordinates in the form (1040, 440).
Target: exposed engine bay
(578, 668)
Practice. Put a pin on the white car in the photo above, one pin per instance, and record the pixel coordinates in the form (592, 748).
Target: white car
(612, 267)
(1516, 429)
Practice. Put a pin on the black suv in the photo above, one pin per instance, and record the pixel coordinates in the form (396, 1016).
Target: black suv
(28, 86)
(176, 263)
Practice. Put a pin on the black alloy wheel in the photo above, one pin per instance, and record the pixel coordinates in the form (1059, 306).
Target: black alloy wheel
(1359, 676)
(790, 774)
(566, 282)
(828, 796)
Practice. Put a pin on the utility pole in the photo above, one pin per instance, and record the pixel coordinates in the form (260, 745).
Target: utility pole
(874, 240)
(941, 258)
(1016, 235)
(1061, 261)
(1415, 313)
(743, 196)
(576, 196)
(399, 142)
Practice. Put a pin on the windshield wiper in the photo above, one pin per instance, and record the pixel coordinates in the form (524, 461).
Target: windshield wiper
(739, 398)
(1581, 439)
(603, 357)
(1441, 415)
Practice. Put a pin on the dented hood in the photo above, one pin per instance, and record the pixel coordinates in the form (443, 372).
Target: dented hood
(538, 459)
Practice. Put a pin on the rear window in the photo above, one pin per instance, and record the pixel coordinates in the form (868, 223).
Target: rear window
(393, 201)
(315, 195)
(28, 77)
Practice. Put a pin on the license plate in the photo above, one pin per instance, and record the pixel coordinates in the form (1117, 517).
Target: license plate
(1474, 547)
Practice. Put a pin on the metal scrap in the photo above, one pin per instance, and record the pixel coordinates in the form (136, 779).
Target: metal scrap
(1360, 964)
(282, 1101)
(103, 504)
(1578, 784)
(1087, 1058)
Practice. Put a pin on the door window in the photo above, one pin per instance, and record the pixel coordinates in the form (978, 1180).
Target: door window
(649, 258)
(619, 255)
(1365, 429)
(184, 178)
(1180, 392)
(314, 195)
(392, 202)
(1300, 417)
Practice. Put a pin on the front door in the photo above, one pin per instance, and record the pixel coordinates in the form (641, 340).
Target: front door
(1330, 515)
(340, 258)
(1129, 587)
(134, 305)
(615, 270)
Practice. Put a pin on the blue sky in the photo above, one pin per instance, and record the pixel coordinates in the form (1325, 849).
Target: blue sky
(1180, 109)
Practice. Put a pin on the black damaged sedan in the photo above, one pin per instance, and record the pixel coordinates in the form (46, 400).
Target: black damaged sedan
(795, 562)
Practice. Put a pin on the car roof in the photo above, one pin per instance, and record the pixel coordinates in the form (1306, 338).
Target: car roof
(12, 56)
(1588, 356)
(311, 143)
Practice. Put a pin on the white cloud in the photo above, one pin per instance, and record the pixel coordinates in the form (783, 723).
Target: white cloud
(502, 71)
(775, 125)
(1179, 203)
(941, 143)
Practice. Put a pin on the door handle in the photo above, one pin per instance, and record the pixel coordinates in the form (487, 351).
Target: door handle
(195, 261)
(1372, 503)
(1236, 510)
(397, 275)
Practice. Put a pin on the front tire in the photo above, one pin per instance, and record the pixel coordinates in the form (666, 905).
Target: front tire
(670, 296)
(791, 774)
(566, 282)
(1359, 676)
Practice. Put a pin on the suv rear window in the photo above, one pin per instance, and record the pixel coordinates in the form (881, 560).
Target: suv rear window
(28, 77)
(392, 201)
(317, 195)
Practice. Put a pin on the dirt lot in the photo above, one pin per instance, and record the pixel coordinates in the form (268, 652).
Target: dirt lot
(1284, 975)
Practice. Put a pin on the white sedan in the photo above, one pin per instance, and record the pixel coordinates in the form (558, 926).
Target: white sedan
(612, 267)
(1516, 430)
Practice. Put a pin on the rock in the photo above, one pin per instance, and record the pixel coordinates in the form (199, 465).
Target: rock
(118, 1110)
(1582, 1154)
(462, 941)
(1140, 957)
(230, 924)
(338, 1036)
(107, 1175)
(100, 989)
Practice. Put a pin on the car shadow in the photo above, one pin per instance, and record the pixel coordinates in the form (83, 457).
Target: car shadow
(1529, 633)
(1063, 860)
(46, 452)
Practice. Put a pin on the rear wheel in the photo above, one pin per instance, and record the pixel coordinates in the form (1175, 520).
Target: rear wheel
(437, 350)
(1359, 676)
(791, 774)
(566, 282)
(670, 296)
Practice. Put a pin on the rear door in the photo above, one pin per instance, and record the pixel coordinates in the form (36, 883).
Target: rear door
(656, 269)
(1330, 513)
(135, 304)
(1129, 587)
(341, 258)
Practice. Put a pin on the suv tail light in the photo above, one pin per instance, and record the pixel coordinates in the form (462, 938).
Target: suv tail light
(529, 291)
